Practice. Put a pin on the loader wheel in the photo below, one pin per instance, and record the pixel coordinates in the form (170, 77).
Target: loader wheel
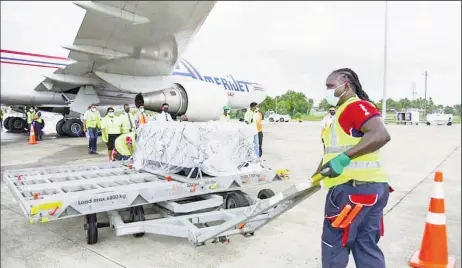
(136, 215)
(265, 194)
(236, 200)
(92, 229)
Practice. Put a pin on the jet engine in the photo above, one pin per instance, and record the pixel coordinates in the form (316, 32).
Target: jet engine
(197, 101)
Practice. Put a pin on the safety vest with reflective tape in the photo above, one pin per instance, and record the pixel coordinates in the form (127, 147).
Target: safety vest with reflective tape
(127, 123)
(365, 168)
(121, 146)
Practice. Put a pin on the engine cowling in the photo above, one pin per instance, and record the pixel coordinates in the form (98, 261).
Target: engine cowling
(197, 101)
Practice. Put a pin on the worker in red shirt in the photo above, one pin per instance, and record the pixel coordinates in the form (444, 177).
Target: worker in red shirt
(357, 183)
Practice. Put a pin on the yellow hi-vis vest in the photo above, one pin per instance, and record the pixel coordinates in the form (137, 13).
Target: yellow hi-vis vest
(365, 168)
(122, 147)
(30, 117)
(93, 119)
(128, 123)
(110, 125)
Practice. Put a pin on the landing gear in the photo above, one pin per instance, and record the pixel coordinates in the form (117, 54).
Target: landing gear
(15, 124)
(59, 128)
(73, 128)
(5, 122)
(69, 128)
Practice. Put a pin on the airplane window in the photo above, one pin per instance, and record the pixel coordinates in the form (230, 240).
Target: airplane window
(173, 93)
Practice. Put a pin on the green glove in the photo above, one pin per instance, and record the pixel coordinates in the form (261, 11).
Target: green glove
(335, 167)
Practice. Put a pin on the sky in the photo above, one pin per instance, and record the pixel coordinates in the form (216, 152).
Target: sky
(295, 45)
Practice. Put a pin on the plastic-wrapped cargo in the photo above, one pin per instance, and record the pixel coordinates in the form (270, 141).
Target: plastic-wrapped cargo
(217, 148)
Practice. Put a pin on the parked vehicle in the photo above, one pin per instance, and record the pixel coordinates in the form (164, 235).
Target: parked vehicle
(275, 117)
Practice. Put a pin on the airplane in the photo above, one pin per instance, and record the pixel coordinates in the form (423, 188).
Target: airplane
(123, 52)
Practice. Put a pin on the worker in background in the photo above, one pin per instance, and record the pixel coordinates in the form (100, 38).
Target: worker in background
(30, 117)
(141, 118)
(225, 116)
(164, 114)
(249, 118)
(39, 124)
(111, 126)
(125, 146)
(128, 123)
(353, 174)
(258, 117)
(327, 120)
(243, 111)
(91, 123)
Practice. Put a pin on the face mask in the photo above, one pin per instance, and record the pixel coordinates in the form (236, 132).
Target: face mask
(141, 110)
(330, 96)
(111, 114)
(93, 109)
(127, 110)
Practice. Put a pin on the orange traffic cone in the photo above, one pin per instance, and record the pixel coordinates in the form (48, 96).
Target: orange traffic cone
(32, 139)
(433, 252)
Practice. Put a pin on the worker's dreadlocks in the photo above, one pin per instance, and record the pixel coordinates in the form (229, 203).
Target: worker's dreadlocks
(352, 77)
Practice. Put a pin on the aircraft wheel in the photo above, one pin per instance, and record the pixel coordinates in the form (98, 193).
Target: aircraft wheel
(5, 123)
(59, 128)
(16, 124)
(73, 128)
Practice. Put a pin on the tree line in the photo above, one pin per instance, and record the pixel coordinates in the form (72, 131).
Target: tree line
(297, 103)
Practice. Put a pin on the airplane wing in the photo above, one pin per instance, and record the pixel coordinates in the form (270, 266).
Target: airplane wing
(136, 38)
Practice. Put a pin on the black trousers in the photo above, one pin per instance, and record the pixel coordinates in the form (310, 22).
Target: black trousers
(260, 142)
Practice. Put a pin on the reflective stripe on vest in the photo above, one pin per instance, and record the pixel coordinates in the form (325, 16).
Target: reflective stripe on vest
(336, 141)
(142, 118)
(127, 122)
(121, 146)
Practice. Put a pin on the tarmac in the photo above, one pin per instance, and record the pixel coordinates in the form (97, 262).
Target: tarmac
(292, 240)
